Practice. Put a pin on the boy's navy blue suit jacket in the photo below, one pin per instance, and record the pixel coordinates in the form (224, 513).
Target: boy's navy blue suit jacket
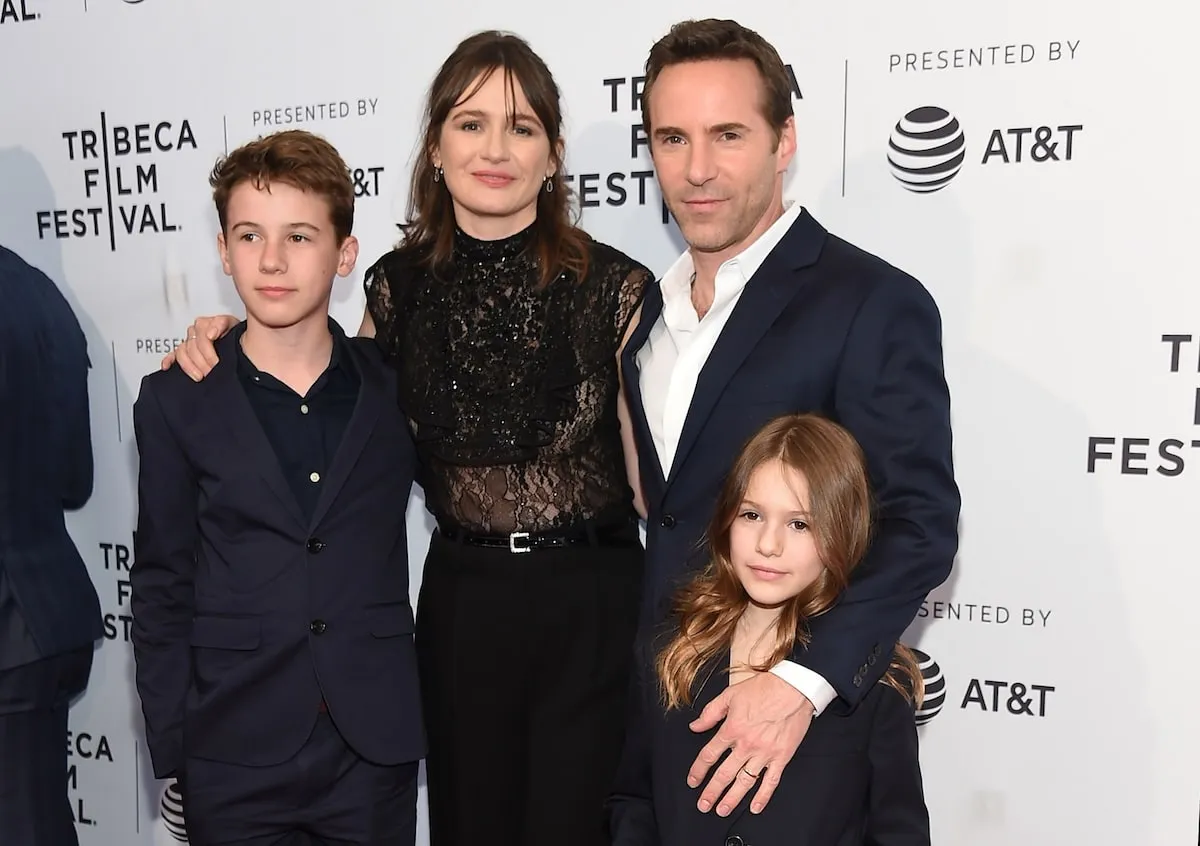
(247, 615)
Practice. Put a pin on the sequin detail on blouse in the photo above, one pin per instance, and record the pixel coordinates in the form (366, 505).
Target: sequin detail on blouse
(510, 388)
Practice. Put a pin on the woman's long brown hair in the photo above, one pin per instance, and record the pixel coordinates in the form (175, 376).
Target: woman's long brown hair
(708, 609)
(429, 233)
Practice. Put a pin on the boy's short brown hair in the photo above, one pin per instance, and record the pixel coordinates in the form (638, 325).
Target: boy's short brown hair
(293, 157)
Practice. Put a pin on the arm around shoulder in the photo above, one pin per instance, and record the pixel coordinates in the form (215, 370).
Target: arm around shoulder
(891, 394)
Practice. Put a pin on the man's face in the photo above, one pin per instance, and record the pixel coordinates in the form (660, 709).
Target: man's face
(719, 162)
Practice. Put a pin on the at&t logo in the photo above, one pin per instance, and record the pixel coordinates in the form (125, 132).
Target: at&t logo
(935, 687)
(1004, 697)
(174, 828)
(927, 149)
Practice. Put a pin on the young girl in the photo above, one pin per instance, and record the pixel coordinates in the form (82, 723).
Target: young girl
(792, 522)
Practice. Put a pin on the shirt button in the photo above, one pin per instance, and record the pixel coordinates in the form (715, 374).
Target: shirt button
(314, 477)
(304, 409)
(317, 627)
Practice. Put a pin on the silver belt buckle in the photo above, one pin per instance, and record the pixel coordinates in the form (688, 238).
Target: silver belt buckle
(512, 542)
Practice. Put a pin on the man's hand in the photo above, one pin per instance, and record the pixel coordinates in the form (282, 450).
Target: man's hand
(765, 718)
(197, 356)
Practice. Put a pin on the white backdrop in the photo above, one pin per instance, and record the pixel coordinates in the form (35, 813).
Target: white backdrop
(1064, 633)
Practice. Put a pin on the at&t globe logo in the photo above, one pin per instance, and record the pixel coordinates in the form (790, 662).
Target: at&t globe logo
(927, 149)
(935, 687)
(173, 830)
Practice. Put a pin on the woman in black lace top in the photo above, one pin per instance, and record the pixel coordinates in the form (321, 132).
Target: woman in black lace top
(504, 323)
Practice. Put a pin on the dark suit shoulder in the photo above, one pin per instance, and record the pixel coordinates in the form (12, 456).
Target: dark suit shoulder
(367, 349)
(169, 385)
(182, 402)
(872, 274)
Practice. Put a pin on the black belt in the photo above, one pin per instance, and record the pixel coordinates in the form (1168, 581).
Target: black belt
(586, 534)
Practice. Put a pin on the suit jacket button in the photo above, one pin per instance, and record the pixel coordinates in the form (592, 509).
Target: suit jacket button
(858, 681)
(314, 545)
(871, 660)
(317, 627)
(875, 651)
(668, 522)
(734, 841)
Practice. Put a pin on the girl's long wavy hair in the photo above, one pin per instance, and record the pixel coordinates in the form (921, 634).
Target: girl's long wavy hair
(429, 233)
(708, 609)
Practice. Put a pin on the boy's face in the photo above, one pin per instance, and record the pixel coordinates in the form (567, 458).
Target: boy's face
(281, 249)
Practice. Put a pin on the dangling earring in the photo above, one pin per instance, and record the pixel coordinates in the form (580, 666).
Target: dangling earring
(437, 174)
(549, 184)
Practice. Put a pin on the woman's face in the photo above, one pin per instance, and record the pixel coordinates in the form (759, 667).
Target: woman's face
(495, 157)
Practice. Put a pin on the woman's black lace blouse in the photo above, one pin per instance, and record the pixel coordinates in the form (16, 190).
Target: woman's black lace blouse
(510, 387)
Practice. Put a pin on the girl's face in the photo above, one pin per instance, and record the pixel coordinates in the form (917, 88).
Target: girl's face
(771, 545)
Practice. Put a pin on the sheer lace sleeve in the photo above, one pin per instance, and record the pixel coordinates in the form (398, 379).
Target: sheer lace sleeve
(629, 297)
(379, 304)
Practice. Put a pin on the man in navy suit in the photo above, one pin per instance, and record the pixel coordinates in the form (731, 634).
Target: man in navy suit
(767, 314)
(49, 611)
(272, 626)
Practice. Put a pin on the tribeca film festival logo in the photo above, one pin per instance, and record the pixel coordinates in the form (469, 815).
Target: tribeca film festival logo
(1134, 453)
(119, 185)
(995, 55)
(118, 560)
(90, 749)
(615, 187)
(17, 11)
(928, 147)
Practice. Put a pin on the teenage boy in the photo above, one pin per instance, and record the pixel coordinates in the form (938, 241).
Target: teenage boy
(272, 626)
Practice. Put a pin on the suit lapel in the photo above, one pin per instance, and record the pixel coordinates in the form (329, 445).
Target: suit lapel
(232, 404)
(648, 453)
(768, 290)
(358, 431)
